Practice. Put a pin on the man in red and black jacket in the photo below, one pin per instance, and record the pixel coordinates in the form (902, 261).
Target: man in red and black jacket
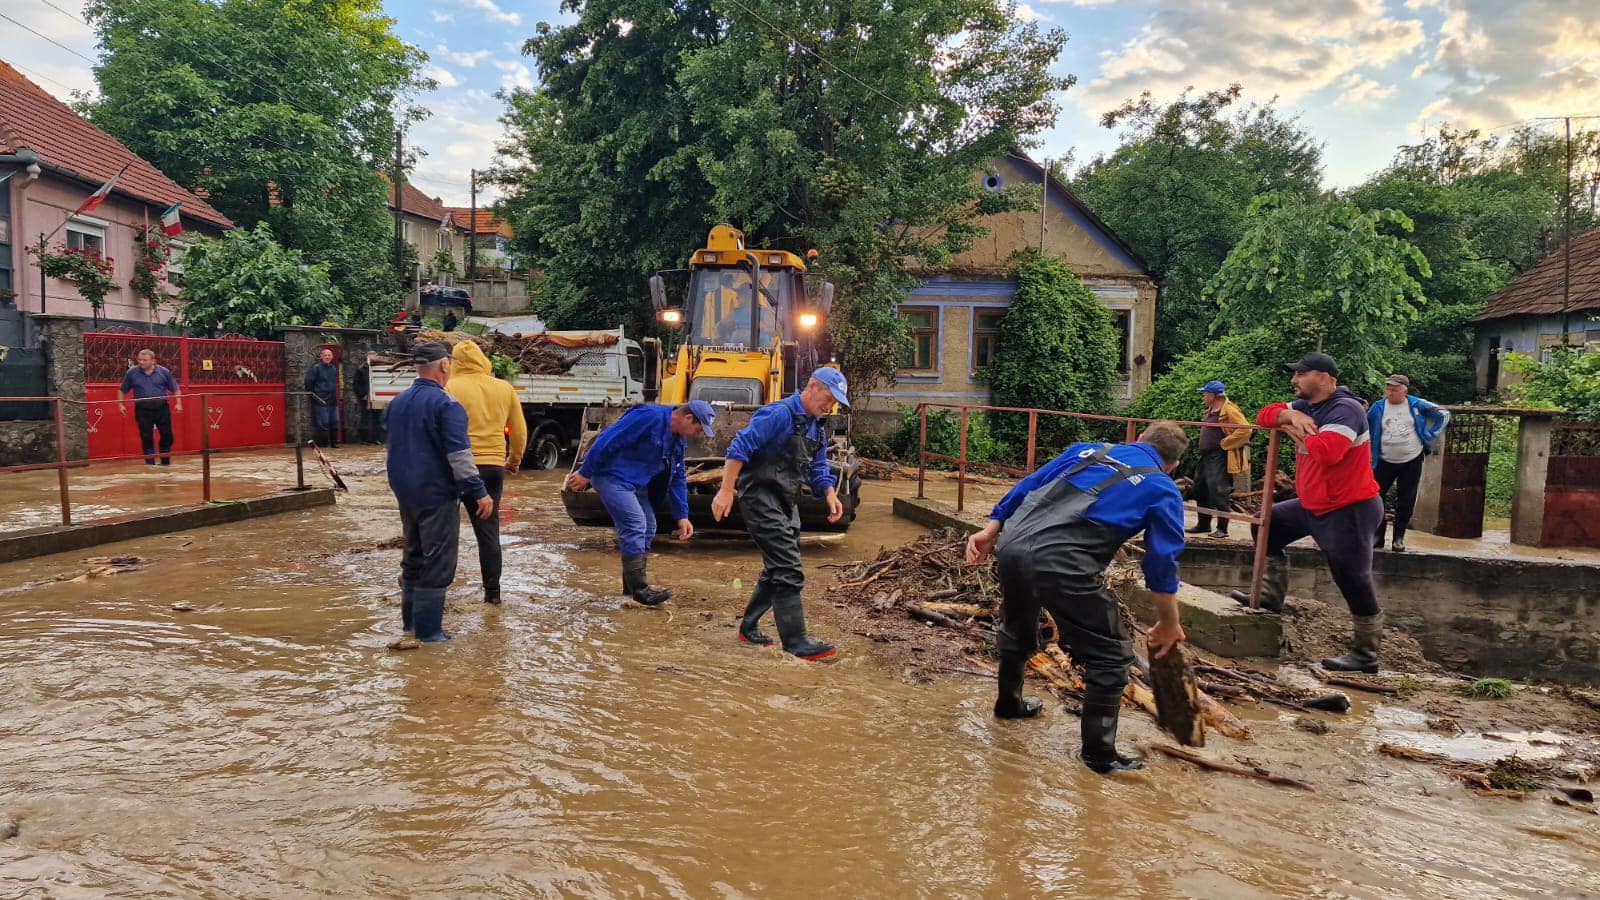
(1338, 503)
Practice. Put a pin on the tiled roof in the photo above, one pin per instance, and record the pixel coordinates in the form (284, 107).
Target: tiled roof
(417, 203)
(31, 119)
(1538, 291)
(487, 222)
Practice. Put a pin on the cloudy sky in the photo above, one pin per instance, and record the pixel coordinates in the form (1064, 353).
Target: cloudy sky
(1364, 75)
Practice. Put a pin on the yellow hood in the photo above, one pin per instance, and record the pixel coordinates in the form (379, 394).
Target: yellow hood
(470, 359)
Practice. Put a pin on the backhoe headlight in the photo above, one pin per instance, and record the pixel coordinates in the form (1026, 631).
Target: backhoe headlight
(673, 317)
(808, 320)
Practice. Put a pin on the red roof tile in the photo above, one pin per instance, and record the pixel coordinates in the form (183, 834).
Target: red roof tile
(31, 119)
(1538, 291)
(487, 222)
(417, 203)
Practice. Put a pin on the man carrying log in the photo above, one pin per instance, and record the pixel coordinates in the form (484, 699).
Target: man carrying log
(1338, 503)
(785, 445)
(1053, 536)
(635, 462)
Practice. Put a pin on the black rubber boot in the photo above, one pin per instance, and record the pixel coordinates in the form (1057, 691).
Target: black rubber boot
(1377, 538)
(427, 614)
(635, 576)
(749, 626)
(1274, 584)
(491, 595)
(1011, 704)
(1363, 655)
(1201, 526)
(1398, 545)
(1100, 713)
(406, 600)
(790, 616)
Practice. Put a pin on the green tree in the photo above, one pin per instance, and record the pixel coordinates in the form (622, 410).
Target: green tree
(1569, 381)
(1178, 190)
(860, 129)
(245, 282)
(1323, 274)
(279, 111)
(1057, 349)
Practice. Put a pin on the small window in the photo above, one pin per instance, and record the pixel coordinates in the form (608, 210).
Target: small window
(82, 236)
(175, 263)
(921, 348)
(985, 336)
(405, 229)
(1122, 321)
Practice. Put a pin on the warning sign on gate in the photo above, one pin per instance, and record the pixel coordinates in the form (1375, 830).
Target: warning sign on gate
(205, 364)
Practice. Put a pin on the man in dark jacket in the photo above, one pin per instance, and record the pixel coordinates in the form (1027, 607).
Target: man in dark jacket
(1338, 503)
(322, 383)
(1053, 535)
(784, 446)
(430, 471)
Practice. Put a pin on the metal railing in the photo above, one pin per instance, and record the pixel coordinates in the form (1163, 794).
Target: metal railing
(1261, 522)
(61, 463)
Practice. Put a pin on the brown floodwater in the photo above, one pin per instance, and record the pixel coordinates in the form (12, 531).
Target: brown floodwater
(266, 744)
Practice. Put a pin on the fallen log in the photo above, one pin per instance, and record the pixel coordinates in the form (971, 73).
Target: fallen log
(969, 610)
(1359, 684)
(1215, 766)
(1176, 698)
(1217, 716)
(937, 618)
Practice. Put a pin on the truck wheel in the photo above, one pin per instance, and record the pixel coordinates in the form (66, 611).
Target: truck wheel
(545, 453)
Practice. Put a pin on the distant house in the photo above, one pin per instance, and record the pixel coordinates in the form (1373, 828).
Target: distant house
(51, 160)
(491, 234)
(953, 317)
(429, 227)
(1532, 312)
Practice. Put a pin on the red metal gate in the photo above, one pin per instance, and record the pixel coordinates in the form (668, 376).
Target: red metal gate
(240, 378)
(1572, 487)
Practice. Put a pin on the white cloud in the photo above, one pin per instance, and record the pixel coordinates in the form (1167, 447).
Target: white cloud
(55, 70)
(1358, 89)
(493, 13)
(443, 76)
(442, 18)
(1500, 65)
(1288, 48)
(1027, 13)
(517, 75)
(465, 58)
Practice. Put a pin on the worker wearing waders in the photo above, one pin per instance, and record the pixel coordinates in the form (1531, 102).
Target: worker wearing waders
(635, 463)
(785, 444)
(1337, 503)
(430, 472)
(1052, 536)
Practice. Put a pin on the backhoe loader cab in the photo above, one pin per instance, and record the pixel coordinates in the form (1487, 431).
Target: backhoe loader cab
(748, 329)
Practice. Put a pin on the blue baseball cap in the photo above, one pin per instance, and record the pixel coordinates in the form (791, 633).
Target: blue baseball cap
(1214, 387)
(834, 379)
(703, 413)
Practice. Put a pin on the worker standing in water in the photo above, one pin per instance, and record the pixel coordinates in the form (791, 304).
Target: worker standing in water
(1053, 536)
(499, 435)
(632, 464)
(785, 445)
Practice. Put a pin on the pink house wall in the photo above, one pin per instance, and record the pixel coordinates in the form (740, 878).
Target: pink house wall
(39, 207)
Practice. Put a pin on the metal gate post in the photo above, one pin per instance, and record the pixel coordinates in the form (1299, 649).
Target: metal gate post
(205, 451)
(61, 464)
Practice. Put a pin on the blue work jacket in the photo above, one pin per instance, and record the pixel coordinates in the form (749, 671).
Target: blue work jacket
(429, 457)
(1152, 504)
(1428, 419)
(636, 449)
(769, 430)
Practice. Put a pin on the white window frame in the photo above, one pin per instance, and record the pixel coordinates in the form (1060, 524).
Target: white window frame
(405, 230)
(83, 225)
(175, 251)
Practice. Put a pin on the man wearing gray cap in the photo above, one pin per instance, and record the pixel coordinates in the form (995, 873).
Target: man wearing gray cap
(431, 470)
(1404, 429)
(784, 446)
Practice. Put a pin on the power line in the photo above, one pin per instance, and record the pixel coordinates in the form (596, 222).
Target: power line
(48, 38)
(820, 57)
(63, 85)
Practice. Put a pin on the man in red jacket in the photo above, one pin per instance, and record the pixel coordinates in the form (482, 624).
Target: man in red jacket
(1338, 503)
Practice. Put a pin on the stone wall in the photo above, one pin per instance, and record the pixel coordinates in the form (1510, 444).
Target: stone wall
(1484, 615)
(62, 340)
(27, 443)
(300, 348)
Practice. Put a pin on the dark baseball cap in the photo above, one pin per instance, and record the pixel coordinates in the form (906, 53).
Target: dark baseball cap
(429, 351)
(1314, 362)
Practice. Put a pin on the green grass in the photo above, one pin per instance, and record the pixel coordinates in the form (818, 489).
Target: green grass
(1510, 775)
(1489, 689)
(1410, 684)
(471, 327)
(1502, 474)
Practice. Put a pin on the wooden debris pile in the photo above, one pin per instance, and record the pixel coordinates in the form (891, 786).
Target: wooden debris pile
(535, 354)
(1511, 776)
(1250, 501)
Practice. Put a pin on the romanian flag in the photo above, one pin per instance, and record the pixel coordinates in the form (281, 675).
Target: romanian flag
(171, 223)
(98, 197)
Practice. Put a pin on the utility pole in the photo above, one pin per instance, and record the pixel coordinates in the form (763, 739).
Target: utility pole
(472, 226)
(1566, 250)
(1044, 204)
(399, 207)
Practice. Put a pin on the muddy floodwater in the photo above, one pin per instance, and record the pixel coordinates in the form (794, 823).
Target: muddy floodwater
(266, 744)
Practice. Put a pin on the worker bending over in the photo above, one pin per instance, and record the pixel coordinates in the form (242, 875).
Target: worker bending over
(784, 446)
(1053, 536)
(631, 465)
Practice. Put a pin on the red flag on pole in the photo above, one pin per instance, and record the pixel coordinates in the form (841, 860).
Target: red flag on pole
(98, 197)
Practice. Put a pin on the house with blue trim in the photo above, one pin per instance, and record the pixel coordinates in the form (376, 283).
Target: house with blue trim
(953, 317)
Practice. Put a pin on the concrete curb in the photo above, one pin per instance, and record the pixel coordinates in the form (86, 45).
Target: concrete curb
(34, 542)
(1211, 621)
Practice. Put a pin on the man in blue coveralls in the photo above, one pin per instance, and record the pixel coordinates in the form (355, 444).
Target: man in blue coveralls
(1062, 526)
(635, 462)
(431, 471)
(784, 446)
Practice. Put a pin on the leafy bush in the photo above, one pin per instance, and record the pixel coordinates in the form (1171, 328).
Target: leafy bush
(503, 366)
(1057, 349)
(944, 436)
(245, 282)
(1501, 479)
(1569, 381)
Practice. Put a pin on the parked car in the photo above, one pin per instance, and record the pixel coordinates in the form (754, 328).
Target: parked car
(447, 296)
